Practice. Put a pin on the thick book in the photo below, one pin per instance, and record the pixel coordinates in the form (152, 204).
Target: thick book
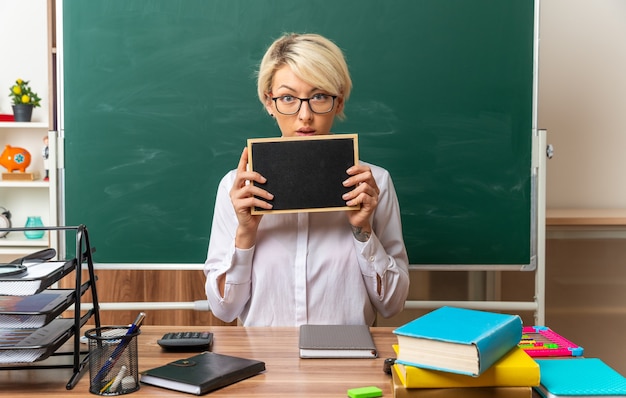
(515, 369)
(580, 378)
(336, 341)
(458, 340)
(400, 391)
(202, 373)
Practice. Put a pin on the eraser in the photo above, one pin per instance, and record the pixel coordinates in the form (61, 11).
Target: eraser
(128, 382)
(365, 392)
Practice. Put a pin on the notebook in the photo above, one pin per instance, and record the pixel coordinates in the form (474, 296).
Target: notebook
(202, 373)
(336, 341)
(580, 378)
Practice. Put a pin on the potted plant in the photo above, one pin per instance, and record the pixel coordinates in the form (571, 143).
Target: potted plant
(24, 100)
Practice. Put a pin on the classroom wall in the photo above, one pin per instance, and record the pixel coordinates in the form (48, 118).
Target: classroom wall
(582, 101)
(582, 105)
(23, 30)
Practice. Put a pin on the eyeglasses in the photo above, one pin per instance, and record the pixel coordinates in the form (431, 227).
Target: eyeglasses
(318, 103)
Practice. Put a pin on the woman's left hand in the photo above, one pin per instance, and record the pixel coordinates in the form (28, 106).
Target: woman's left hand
(365, 193)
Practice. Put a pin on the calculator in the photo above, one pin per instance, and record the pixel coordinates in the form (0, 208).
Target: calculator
(186, 341)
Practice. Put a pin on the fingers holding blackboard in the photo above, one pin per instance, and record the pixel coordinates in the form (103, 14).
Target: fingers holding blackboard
(305, 173)
(364, 194)
(244, 195)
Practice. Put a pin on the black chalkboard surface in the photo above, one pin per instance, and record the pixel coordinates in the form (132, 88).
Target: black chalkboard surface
(304, 174)
(160, 98)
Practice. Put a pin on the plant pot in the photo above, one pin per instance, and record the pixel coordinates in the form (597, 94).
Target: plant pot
(22, 112)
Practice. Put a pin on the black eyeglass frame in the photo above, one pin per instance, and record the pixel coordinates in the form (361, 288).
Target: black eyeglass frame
(334, 97)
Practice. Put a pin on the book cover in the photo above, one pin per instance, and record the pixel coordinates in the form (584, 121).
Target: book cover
(202, 373)
(336, 341)
(579, 377)
(515, 369)
(399, 391)
(458, 340)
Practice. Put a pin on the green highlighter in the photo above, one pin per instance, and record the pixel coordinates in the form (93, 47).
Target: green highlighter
(365, 392)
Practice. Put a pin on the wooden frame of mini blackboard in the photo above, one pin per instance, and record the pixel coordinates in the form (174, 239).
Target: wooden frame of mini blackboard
(304, 174)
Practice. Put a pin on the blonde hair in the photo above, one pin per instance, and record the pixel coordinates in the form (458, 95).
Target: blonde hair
(313, 58)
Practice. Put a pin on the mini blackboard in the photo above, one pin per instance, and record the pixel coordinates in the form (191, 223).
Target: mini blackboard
(304, 174)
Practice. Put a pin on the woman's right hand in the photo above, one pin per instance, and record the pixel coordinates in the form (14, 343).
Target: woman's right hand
(242, 196)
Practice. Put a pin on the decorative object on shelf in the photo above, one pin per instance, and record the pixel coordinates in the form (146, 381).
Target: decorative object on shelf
(45, 153)
(24, 100)
(34, 222)
(16, 159)
(5, 221)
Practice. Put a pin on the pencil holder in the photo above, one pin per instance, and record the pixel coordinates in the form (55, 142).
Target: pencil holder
(113, 367)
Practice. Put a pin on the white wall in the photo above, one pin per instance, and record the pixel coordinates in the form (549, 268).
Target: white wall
(24, 44)
(582, 101)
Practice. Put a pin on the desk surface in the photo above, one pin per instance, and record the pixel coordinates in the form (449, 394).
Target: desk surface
(286, 374)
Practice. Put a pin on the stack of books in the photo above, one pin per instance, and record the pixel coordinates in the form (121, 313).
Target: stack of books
(457, 352)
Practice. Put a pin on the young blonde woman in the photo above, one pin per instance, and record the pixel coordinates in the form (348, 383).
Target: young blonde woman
(322, 267)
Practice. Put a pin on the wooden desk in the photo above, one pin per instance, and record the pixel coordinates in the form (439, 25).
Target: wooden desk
(286, 375)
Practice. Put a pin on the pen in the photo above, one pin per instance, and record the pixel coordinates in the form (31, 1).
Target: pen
(119, 349)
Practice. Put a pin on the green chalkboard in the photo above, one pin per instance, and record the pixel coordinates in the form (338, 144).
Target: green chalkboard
(160, 97)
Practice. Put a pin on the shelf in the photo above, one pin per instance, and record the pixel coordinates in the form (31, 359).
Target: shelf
(17, 239)
(24, 125)
(585, 217)
(25, 184)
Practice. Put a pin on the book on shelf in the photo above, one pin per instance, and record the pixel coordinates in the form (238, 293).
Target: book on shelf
(400, 391)
(515, 369)
(202, 373)
(580, 378)
(336, 341)
(457, 340)
(37, 278)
